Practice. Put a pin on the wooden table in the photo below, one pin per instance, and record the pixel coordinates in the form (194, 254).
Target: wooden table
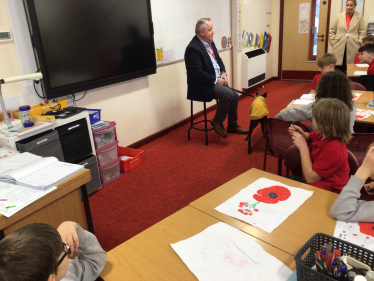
(62, 204)
(351, 68)
(311, 217)
(149, 256)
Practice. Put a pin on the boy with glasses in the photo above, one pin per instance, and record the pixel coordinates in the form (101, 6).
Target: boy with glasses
(39, 252)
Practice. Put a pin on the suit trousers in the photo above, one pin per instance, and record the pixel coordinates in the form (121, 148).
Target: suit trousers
(227, 105)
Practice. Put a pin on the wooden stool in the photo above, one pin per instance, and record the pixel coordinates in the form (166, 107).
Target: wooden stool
(205, 121)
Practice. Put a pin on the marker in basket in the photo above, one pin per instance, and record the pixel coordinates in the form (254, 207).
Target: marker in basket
(329, 258)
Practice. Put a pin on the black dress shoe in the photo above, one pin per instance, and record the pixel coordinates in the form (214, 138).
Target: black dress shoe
(218, 128)
(236, 130)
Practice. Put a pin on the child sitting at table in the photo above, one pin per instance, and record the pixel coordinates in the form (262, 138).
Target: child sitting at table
(366, 56)
(325, 162)
(326, 63)
(365, 40)
(39, 252)
(332, 85)
(347, 207)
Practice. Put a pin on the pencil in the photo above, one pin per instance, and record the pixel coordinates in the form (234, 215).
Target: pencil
(293, 124)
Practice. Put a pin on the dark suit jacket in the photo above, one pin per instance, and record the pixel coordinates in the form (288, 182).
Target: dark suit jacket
(200, 71)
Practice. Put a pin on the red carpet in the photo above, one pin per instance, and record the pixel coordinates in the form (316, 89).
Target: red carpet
(176, 171)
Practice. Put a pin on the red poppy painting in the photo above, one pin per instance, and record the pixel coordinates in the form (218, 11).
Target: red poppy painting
(366, 228)
(272, 194)
(269, 195)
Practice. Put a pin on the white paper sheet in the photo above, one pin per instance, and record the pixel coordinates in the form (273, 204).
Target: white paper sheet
(362, 114)
(360, 234)
(222, 253)
(359, 73)
(362, 65)
(355, 96)
(308, 97)
(303, 101)
(18, 197)
(250, 205)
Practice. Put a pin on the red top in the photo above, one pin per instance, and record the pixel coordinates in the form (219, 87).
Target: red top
(315, 81)
(371, 68)
(356, 60)
(330, 161)
(348, 19)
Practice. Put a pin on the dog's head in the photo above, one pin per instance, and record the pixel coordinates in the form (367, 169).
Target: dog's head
(264, 95)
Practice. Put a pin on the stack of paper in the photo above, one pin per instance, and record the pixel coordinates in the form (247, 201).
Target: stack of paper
(362, 65)
(33, 171)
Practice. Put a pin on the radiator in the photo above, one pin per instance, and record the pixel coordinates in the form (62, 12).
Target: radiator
(254, 67)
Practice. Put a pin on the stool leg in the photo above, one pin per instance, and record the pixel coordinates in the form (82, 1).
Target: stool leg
(189, 129)
(206, 125)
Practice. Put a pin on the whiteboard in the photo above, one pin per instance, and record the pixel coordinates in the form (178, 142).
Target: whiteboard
(174, 24)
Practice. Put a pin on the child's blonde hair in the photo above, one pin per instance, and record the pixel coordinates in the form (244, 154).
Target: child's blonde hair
(326, 60)
(333, 118)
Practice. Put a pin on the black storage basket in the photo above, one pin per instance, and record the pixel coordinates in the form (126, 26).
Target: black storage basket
(303, 266)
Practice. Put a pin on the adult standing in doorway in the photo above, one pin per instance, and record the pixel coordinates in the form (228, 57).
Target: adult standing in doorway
(207, 78)
(346, 34)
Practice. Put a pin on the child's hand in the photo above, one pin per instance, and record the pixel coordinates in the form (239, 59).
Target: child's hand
(299, 140)
(68, 232)
(369, 187)
(292, 129)
(367, 168)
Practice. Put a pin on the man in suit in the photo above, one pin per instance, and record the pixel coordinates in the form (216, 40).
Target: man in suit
(207, 78)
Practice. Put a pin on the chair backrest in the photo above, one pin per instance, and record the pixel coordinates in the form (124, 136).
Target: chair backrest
(353, 163)
(357, 86)
(359, 144)
(278, 137)
(292, 161)
(367, 81)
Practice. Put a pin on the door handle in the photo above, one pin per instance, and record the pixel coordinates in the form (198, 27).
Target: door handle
(321, 36)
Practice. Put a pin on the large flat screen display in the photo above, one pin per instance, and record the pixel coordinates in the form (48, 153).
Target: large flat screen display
(85, 44)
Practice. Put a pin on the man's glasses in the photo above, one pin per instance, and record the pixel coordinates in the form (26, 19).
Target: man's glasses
(66, 251)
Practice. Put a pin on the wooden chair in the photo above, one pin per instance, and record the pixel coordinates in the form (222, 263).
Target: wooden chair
(278, 140)
(292, 161)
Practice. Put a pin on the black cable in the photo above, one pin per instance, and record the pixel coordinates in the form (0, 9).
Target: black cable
(83, 96)
(36, 91)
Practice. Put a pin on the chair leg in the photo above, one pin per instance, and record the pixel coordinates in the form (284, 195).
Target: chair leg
(206, 125)
(264, 160)
(279, 166)
(189, 129)
(287, 172)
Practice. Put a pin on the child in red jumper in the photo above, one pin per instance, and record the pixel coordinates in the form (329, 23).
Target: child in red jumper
(326, 64)
(325, 162)
(367, 56)
(365, 40)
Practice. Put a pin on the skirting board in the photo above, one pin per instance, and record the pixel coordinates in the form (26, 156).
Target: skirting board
(187, 120)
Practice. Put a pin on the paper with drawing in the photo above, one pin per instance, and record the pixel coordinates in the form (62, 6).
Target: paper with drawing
(359, 233)
(14, 197)
(265, 203)
(222, 252)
